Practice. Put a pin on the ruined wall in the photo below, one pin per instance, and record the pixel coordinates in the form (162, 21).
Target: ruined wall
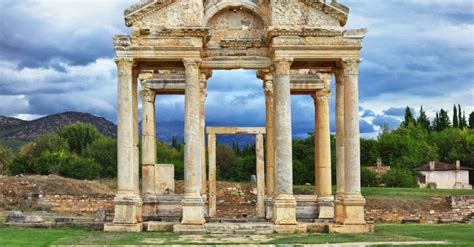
(78, 204)
(458, 208)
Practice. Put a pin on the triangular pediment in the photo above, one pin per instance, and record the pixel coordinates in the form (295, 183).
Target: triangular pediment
(141, 10)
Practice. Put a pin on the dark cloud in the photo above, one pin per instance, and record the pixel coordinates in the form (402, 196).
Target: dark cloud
(391, 122)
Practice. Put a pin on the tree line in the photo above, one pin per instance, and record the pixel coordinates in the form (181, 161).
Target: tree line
(80, 151)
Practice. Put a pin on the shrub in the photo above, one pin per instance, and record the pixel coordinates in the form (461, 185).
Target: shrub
(368, 178)
(45, 143)
(103, 151)
(81, 168)
(19, 165)
(6, 157)
(79, 136)
(52, 163)
(398, 177)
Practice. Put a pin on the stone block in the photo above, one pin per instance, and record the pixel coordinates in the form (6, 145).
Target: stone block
(337, 228)
(317, 227)
(34, 219)
(155, 226)
(164, 178)
(284, 210)
(15, 217)
(306, 207)
(189, 229)
(128, 209)
(193, 213)
(112, 227)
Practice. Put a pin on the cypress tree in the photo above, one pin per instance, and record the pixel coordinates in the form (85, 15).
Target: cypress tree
(435, 122)
(455, 117)
(471, 120)
(460, 117)
(423, 120)
(409, 119)
(463, 120)
(443, 121)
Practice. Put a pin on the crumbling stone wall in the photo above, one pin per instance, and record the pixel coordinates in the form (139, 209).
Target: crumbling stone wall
(460, 208)
(78, 204)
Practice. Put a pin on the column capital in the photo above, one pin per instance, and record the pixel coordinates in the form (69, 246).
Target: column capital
(326, 78)
(322, 96)
(282, 65)
(144, 76)
(191, 64)
(124, 65)
(148, 95)
(339, 73)
(350, 66)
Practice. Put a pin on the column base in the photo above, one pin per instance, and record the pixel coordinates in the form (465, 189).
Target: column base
(353, 210)
(150, 206)
(193, 210)
(284, 210)
(338, 210)
(127, 209)
(113, 227)
(326, 207)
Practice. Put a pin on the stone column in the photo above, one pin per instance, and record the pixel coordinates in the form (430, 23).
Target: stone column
(284, 207)
(323, 168)
(193, 213)
(353, 200)
(269, 153)
(148, 153)
(202, 130)
(260, 176)
(340, 171)
(127, 202)
(211, 142)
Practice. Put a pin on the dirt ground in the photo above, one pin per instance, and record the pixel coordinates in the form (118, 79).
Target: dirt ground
(235, 200)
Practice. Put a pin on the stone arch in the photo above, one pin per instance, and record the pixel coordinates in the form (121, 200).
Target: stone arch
(250, 6)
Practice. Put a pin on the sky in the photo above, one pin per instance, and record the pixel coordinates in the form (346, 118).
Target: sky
(57, 56)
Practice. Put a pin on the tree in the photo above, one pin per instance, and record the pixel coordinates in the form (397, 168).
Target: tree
(443, 121)
(368, 178)
(455, 117)
(460, 122)
(103, 151)
(397, 177)
(79, 136)
(471, 120)
(423, 120)
(409, 119)
(6, 157)
(463, 120)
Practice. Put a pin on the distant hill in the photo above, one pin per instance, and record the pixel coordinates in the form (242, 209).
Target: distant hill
(15, 132)
(12, 129)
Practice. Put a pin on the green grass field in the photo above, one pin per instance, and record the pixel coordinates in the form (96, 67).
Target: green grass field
(456, 235)
(397, 193)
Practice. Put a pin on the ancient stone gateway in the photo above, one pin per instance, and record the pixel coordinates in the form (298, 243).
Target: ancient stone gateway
(296, 46)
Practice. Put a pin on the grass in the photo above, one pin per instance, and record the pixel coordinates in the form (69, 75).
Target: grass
(399, 193)
(456, 235)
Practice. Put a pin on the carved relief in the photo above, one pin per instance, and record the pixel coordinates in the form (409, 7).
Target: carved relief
(184, 13)
(288, 13)
(283, 66)
(350, 66)
(316, 18)
(234, 28)
(124, 66)
(148, 95)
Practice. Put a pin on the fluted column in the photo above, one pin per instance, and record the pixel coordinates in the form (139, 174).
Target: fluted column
(284, 209)
(340, 171)
(148, 142)
(127, 202)
(193, 203)
(260, 175)
(323, 146)
(269, 147)
(202, 130)
(353, 200)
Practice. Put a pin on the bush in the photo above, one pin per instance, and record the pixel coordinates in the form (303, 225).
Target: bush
(81, 168)
(397, 177)
(20, 165)
(6, 157)
(53, 163)
(45, 143)
(79, 136)
(103, 151)
(368, 178)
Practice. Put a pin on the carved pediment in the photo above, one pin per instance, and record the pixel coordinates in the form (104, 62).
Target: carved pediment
(236, 28)
(166, 13)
